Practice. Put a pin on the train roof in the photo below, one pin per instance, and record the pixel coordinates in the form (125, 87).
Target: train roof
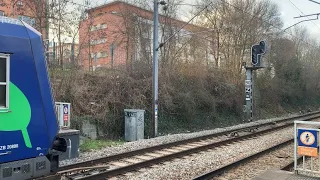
(17, 28)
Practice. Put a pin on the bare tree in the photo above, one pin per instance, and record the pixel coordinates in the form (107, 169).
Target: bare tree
(33, 12)
(238, 25)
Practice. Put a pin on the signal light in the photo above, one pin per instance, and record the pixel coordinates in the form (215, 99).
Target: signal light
(256, 52)
(263, 47)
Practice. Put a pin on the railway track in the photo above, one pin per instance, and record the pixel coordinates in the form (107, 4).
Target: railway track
(223, 171)
(290, 166)
(121, 163)
(248, 165)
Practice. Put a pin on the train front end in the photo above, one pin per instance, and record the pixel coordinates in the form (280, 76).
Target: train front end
(28, 125)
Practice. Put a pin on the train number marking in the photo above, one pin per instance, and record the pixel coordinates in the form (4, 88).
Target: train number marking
(13, 146)
(10, 146)
(2, 148)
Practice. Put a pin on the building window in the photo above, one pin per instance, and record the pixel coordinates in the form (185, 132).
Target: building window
(99, 14)
(99, 55)
(29, 20)
(98, 41)
(20, 3)
(4, 81)
(93, 28)
(103, 26)
(1, 13)
(103, 54)
(98, 27)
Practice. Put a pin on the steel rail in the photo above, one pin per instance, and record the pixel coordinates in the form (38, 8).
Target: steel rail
(121, 170)
(287, 167)
(167, 145)
(177, 143)
(232, 165)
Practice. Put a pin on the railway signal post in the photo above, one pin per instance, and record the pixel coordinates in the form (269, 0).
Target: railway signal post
(256, 60)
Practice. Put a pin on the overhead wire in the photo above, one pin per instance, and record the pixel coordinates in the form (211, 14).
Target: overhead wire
(280, 30)
(303, 13)
(187, 4)
(314, 1)
(205, 7)
(188, 22)
(209, 30)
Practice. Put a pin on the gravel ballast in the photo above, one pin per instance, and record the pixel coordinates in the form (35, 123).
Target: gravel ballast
(130, 146)
(197, 164)
(272, 160)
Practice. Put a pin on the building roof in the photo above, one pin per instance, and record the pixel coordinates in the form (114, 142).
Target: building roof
(137, 7)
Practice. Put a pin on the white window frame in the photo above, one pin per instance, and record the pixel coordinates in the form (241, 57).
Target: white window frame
(104, 26)
(7, 57)
(103, 54)
(20, 3)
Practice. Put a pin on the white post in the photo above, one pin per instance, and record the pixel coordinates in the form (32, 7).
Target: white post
(295, 148)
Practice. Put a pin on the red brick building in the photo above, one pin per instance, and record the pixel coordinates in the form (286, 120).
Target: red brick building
(32, 12)
(119, 33)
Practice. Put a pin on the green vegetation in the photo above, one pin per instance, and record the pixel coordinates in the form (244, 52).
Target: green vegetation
(201, 81)
(90, 144)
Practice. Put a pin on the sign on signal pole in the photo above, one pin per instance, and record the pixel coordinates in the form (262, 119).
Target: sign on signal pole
(307, 142)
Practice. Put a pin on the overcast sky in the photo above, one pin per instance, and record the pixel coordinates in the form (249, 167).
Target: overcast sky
(287, 9)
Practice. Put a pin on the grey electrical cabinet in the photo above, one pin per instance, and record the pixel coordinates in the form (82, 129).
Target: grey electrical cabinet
(72, 137)
(134, 124)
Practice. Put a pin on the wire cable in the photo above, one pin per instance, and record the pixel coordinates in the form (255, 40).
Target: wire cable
(162, 44)
(314, 1)
(280, 30)
(303, 13)
(186, 4)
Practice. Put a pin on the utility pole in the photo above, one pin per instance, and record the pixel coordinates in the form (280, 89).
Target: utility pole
(59, 38)
(155, 68)
(54, 52)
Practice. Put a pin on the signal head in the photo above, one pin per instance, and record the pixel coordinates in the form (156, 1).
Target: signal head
(254, 54)
(263, 47)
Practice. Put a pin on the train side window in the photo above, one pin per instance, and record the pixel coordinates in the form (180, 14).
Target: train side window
(4, 81)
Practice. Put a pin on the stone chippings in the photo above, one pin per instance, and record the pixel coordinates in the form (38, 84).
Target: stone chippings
(197, 164)
(130, 146)
(272, 160)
